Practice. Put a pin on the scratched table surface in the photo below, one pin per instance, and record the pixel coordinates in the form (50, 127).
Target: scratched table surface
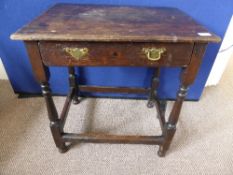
(74, 22)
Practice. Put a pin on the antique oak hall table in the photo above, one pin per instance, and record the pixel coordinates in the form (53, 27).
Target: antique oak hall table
(97, 35)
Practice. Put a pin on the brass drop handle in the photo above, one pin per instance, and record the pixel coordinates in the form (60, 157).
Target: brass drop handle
(76, 53)
(153, 54)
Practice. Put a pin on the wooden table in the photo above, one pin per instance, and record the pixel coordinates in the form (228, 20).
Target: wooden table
(88, 35)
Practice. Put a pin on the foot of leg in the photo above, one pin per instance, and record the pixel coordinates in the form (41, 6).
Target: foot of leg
(63, 149)
(161, 152)
(169, 131)
(150, 104)
(76, 100)
(56, 132)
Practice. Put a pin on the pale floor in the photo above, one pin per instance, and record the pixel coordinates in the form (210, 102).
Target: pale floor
(203, 143)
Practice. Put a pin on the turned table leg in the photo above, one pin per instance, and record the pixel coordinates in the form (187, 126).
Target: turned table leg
(153, 89)
(55, 124)
(42, 75)
(163, 105)
(188, 76)
(73, 84)
(170, 126)
(152, 101)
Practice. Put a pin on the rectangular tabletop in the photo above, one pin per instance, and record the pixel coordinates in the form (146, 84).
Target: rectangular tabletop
(74, 22)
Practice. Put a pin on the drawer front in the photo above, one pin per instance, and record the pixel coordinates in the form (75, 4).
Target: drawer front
(115, 54)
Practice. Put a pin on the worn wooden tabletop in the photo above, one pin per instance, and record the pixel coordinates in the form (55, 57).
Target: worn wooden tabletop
(73, 22)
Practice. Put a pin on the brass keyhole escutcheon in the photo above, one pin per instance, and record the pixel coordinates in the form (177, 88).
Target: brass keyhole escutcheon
(153, 54)
(76, 53)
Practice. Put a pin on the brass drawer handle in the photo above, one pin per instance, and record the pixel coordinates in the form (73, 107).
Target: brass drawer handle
(77, 53)
(154, 54)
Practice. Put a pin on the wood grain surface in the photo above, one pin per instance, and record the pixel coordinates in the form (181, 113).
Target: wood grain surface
(113, 23)
(115, 54)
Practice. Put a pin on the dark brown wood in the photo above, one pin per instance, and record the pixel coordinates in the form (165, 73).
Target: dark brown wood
(187, 77)
(115, 54)
(189, 74)
(40, 73)
(35, 58)
(102, 138)
(152, 101)
(73, 84)
(114, 23)
(153, 89)
(114, 36)
(55, 124)
(161, 108)
(66, 107)
(113, 89)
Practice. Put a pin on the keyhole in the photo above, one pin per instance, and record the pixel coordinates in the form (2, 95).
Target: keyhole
(115, 54)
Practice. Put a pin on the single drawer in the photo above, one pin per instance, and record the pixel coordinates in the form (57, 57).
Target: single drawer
(115, 54)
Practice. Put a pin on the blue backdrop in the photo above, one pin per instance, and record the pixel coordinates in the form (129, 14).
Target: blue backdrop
(213, 14)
